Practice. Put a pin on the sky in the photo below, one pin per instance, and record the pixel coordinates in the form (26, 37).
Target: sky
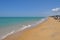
(28, 8)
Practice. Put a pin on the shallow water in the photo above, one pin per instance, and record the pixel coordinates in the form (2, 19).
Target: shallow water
(8, 24)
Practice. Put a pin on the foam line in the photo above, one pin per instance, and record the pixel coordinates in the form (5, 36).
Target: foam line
(15, 31)
(42, 20)
(7, 35)
(24, 27)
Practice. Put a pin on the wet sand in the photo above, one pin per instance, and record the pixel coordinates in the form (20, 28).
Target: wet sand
(48, 30)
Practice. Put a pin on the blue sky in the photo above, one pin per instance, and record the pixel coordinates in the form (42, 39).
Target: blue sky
(27, 8)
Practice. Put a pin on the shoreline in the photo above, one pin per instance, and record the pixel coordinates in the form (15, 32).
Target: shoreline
(46, 30)
(24, 28)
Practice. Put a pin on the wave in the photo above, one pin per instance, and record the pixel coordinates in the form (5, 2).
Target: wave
(7, 34)
(12, 32)
(24, 27)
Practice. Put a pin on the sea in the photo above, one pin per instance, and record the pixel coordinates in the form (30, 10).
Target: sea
(9, 24)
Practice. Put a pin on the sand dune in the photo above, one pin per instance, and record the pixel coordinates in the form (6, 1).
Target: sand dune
(48, 30)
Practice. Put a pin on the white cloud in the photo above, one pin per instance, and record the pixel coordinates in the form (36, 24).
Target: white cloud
(56, 10)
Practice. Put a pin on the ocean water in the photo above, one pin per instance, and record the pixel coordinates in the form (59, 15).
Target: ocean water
(8, 24)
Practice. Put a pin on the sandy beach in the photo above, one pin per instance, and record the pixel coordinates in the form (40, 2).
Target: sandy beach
(48, 30)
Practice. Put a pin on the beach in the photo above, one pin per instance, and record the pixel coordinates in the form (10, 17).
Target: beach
(47, 30)
(29, 20)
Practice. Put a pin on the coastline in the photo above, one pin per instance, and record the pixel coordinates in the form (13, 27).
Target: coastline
(46, 30)
(24, 28)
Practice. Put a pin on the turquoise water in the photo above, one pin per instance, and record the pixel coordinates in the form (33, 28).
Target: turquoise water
(8, 21)
(8, 24)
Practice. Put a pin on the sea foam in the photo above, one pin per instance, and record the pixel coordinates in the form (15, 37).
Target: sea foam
(7, 34)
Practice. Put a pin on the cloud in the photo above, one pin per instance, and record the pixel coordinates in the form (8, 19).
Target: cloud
(56, 10)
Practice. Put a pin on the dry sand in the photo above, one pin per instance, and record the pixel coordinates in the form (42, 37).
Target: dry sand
(48, 30)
